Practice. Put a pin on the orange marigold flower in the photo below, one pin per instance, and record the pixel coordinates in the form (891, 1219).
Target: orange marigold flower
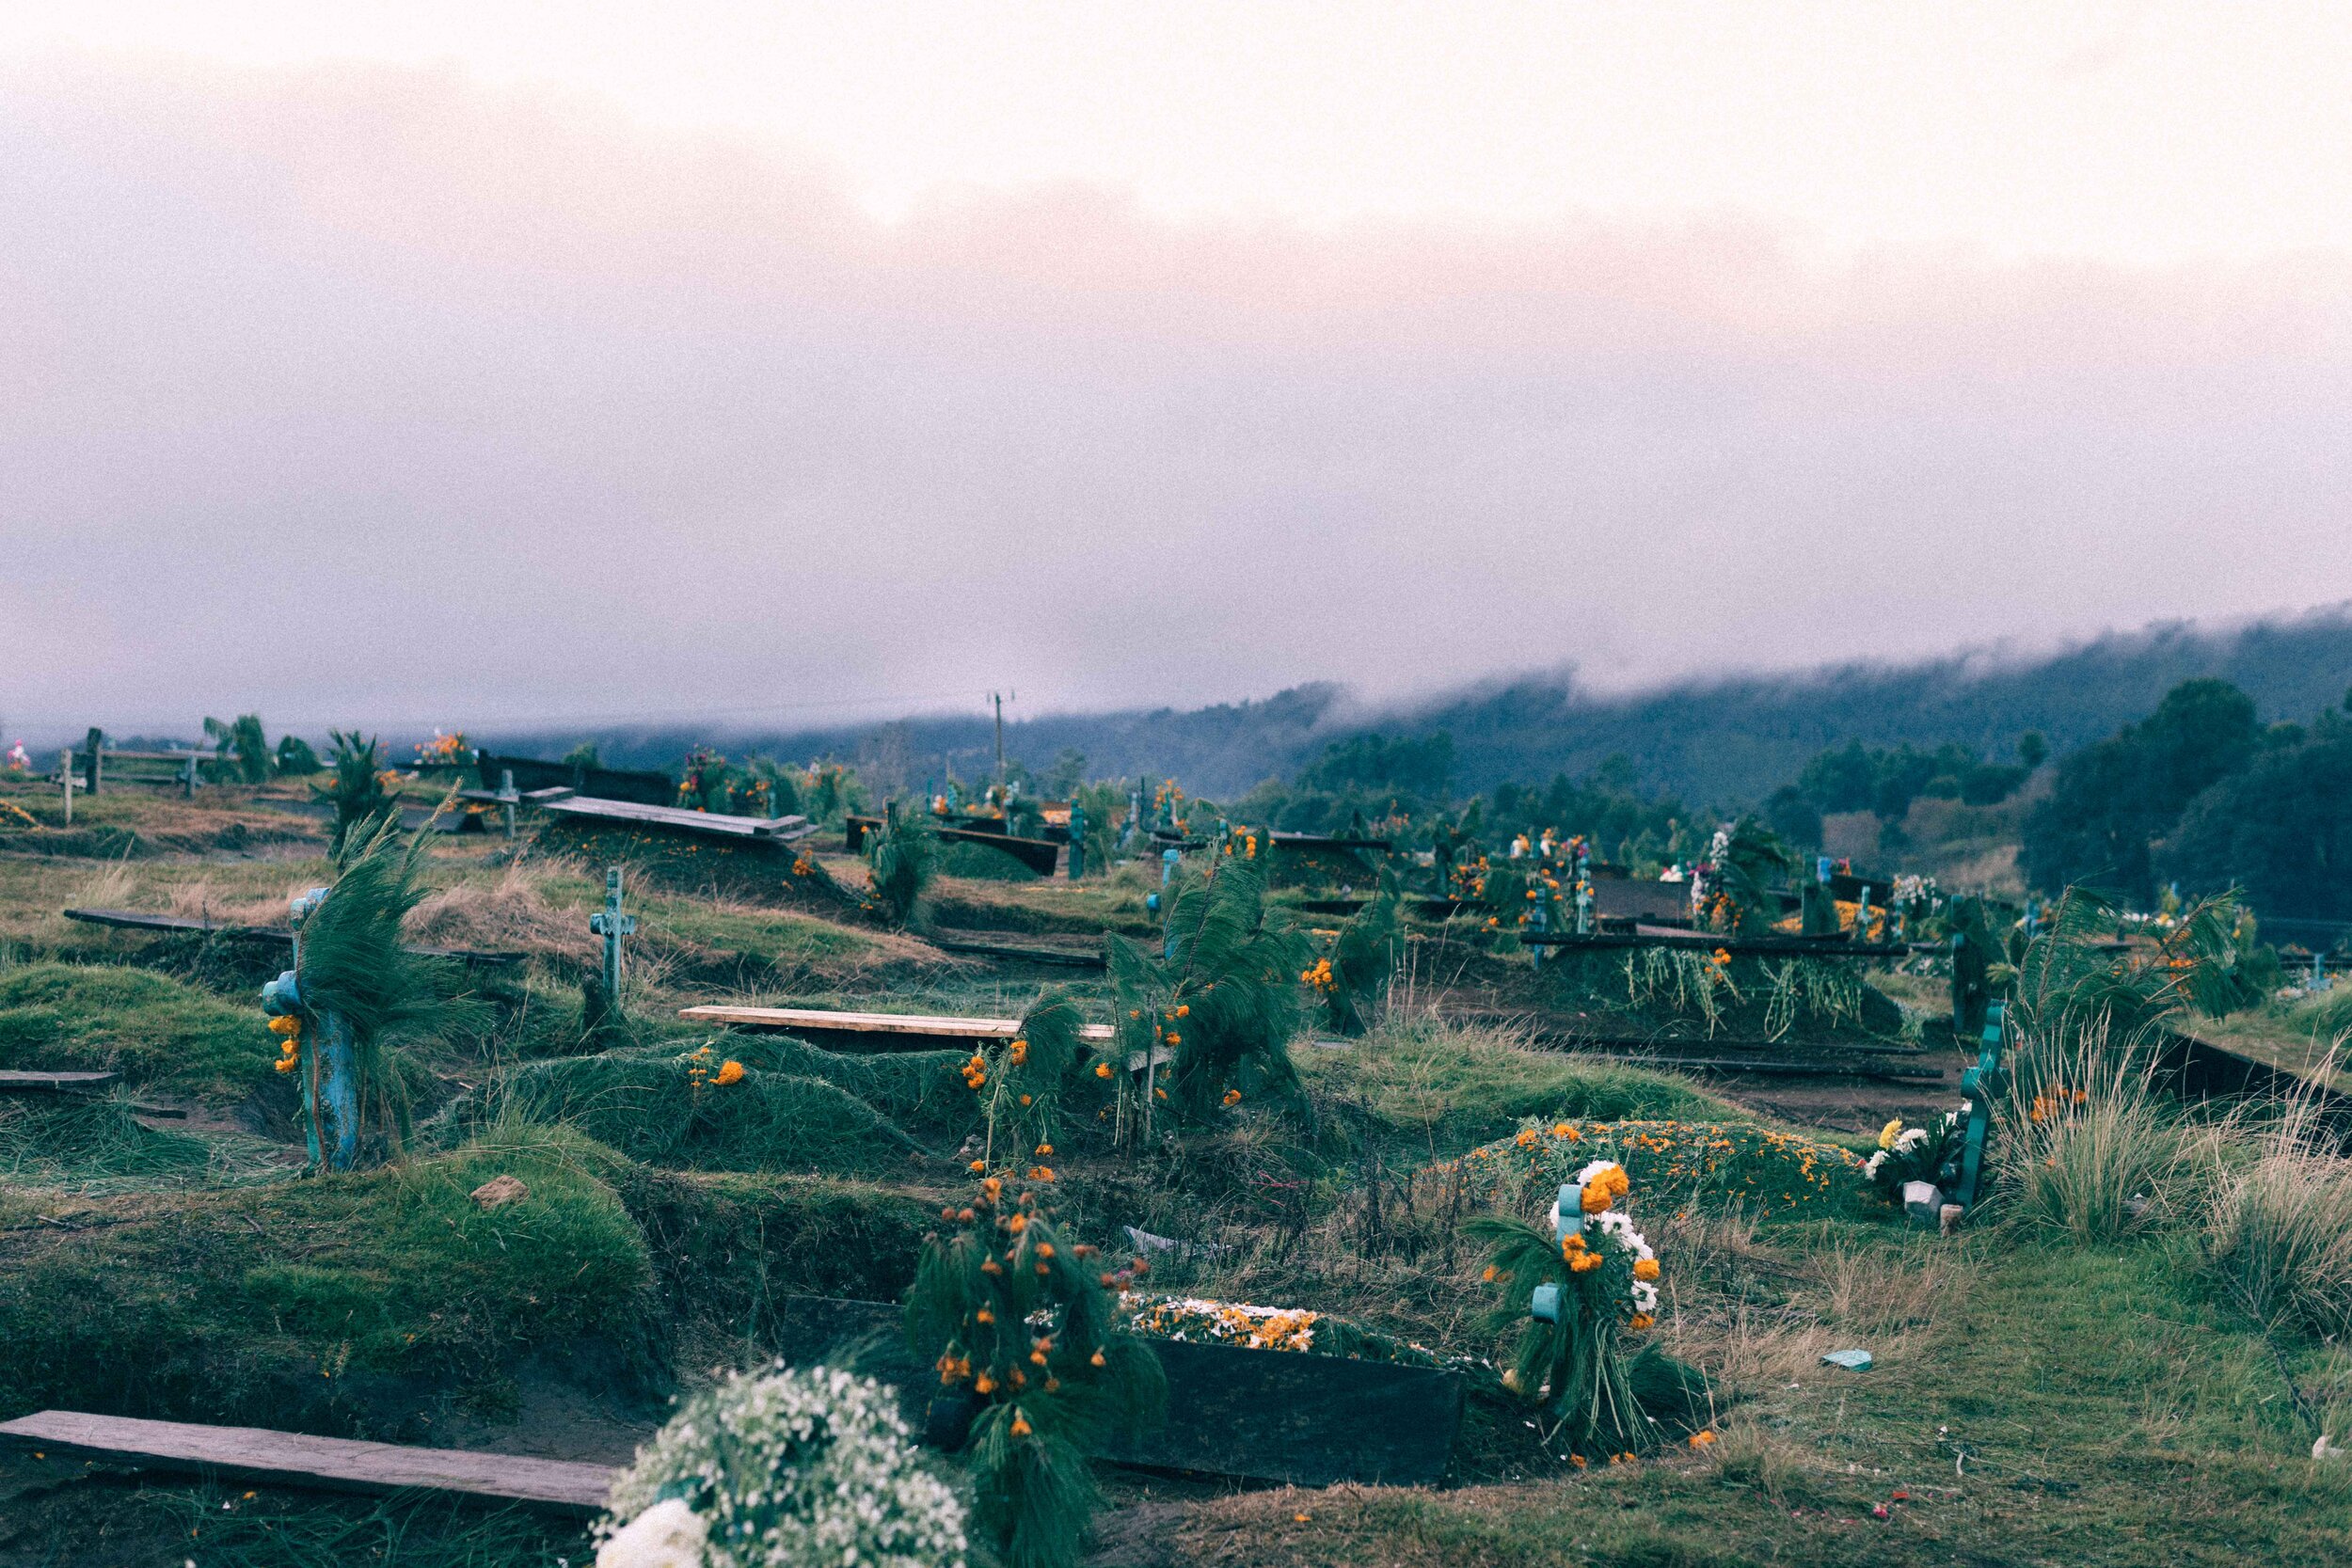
(730, 1071)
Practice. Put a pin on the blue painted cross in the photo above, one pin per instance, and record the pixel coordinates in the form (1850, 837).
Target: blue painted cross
(1567, 1220)
(330, 1059)
(612, 924)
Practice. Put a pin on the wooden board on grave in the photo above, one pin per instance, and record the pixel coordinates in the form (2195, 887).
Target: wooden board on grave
(985, 948)
(258, 1454)
(871, 1031)
(139, 920)
(707, 824)
(55, 1083)
(1282, 1416)
(1328, 842)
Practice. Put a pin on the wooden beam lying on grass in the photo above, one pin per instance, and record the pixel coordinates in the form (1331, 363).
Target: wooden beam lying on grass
(875, 1031)
(711, 824)
(1061, 957)
(138, 920)
(256, 1454)
(55, 1083)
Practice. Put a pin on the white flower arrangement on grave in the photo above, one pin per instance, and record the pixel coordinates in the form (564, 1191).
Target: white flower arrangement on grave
(777, 1470)
(1930, 1154)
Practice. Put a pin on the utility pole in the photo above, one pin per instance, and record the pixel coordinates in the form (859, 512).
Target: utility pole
(998, 697)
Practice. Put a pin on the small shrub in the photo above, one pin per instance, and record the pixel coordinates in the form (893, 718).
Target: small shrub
(1220, 1005)
(778, 1469)
(1007, 1306)
(362, 792)
(1024, 1084)
(1354, 979)
(899, 863)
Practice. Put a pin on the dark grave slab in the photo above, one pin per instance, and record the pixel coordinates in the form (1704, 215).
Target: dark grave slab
(1281, 1417)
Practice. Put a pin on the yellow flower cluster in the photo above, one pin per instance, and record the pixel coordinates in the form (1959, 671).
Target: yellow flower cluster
(976, 1073)
(288, 1033)
(1319, 976)
(700, 1074)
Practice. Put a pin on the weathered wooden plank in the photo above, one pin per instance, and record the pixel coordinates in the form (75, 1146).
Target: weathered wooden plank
(293, 1459)
(774, 829)
(907, 1025)
(1327, 841)
(1062, 956)
(1283, 1417)
(139, 920)
(55, 1083)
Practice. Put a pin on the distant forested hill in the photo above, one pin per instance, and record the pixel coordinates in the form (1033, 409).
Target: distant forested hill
(1718, 742)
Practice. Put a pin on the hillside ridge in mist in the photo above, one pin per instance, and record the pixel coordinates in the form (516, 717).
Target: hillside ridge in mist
(1720, 740)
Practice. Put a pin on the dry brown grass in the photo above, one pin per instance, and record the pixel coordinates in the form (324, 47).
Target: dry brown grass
(510, 914)
(2280, 1228)
(204, 901)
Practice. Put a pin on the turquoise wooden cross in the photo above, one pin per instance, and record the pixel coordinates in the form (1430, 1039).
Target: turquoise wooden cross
(1979, 1083)
(330, 1058)
(612, 924)
(1077, 841)
(1567, 1219)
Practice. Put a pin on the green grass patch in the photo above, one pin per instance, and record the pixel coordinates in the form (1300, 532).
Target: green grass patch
(2088, 1406)
(1442, 1090)
(235, 1526)
(668, 1109)
(162, 1035)
(339, 1303)
(56, 1141)
(921, 1092)
(730, 1248)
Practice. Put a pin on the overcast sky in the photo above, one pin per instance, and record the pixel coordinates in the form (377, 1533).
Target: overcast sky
(473, 362)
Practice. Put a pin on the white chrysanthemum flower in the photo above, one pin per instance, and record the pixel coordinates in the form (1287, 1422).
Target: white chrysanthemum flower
(784, 1468)
(1871, 1166)
(667, 1535)
(1912, 1137)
